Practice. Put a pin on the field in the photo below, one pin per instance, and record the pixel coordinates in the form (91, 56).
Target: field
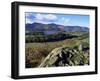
(37, 53)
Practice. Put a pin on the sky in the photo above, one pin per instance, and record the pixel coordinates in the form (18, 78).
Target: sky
(61, 19)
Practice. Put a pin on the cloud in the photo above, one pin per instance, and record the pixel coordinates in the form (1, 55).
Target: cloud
(29, 21)
(46, 19)
(50, 17)
(39, 17)
(63, 21)
(29, 17)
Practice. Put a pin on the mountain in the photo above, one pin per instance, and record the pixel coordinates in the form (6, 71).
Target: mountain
(42, 27)
(51, 28)
(76, 29)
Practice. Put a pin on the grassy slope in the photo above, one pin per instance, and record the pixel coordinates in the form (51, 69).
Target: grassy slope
(38, 51)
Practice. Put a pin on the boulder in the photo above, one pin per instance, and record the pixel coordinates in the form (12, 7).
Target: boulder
(63, 56)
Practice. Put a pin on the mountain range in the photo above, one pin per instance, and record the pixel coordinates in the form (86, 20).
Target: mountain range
(54, 28)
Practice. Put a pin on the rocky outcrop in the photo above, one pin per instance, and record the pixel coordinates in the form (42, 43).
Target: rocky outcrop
(64, 56)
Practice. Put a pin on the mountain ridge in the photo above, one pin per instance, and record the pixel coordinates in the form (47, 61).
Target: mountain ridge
(54, 27)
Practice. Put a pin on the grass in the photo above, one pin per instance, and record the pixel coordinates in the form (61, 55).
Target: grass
(36, 52)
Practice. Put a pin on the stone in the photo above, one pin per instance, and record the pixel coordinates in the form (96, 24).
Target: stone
(63, 56)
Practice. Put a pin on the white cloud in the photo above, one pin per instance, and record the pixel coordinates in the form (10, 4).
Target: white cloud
(50, 17)
(39, 17)
(66, 21)
(29, 17)
(46, 19)
(63, 21)
(29, 21)
(27, 14)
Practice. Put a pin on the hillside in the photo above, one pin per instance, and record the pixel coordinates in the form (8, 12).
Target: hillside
(52, 45)
(54, 28)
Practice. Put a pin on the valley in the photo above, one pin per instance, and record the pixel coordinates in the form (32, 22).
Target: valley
(41, 48)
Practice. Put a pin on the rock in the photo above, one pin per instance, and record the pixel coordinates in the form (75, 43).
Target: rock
(63, 56)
